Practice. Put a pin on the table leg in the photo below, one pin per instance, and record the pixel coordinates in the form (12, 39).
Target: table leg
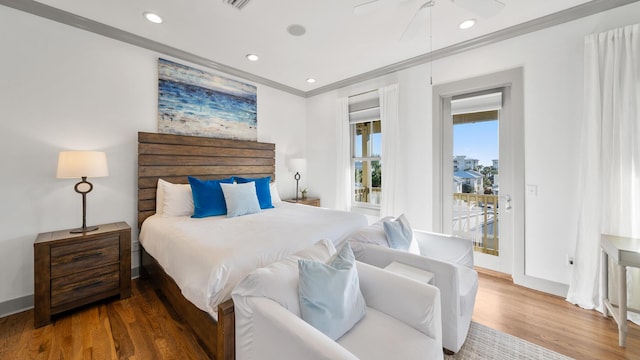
(622, 301)
(604, 273)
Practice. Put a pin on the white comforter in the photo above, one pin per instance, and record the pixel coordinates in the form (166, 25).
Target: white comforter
(208, 257)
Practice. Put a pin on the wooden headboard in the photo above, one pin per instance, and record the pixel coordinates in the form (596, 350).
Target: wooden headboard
(175, 157)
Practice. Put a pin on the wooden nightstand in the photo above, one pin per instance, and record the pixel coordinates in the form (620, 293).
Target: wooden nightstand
(307, 201)
(72, 270)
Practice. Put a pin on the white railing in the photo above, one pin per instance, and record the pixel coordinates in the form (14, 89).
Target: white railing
(475, 217)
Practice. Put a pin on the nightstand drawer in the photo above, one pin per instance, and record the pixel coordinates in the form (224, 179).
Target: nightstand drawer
(78, 257)
(80, 285)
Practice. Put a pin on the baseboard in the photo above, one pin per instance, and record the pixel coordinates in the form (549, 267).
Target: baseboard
(530, 282)
(546, 286)
(24, 303)
(493, 273)
(15, 306)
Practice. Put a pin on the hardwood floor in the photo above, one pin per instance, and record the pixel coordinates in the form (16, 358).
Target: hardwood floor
(550, 321)
(142, 327)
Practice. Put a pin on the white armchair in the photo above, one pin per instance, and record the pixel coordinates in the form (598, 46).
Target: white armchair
(450, 259)
(402, 319)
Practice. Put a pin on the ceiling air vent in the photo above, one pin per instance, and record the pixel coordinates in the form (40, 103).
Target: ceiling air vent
(238, 4)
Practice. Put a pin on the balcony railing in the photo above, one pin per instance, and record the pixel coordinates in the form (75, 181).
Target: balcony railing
(475, 217)
(367, 195)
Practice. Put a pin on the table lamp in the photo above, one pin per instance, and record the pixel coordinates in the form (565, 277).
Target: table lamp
(82, 164)
(297, 165)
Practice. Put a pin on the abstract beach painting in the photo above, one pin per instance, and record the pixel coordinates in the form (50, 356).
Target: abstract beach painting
(194, 102)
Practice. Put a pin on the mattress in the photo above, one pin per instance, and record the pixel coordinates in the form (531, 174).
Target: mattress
(207, 257)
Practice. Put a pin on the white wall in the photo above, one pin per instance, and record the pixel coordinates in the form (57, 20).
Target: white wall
(553, 61)
(62, 88)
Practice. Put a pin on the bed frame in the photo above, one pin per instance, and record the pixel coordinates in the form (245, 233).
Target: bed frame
(174, 158)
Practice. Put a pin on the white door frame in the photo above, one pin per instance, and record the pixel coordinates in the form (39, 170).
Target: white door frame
(512, 256)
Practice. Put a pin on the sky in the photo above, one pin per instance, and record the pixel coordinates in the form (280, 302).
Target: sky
(477, 141)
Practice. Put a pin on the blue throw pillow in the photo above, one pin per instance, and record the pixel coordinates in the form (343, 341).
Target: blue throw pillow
(330, 296)
(399, 233)
(208, 199)
(241, 199)
(262, 188)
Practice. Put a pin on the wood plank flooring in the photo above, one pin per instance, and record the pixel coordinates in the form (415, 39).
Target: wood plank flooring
(550, 321)
(143, 327)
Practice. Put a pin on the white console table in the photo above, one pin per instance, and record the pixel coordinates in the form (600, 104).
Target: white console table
(624, 252)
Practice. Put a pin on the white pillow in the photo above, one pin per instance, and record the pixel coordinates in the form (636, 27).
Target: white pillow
(279, 281)
(330, 296)
(173, 199)
(241, 199)
(399, 233)
(275, 197)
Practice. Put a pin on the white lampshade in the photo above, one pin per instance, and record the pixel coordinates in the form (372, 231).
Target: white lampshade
(77, 164)
(297, 164)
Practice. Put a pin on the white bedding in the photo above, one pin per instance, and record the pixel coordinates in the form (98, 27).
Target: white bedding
(208, 257)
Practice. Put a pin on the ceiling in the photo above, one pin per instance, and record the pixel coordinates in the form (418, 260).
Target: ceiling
(338, 44)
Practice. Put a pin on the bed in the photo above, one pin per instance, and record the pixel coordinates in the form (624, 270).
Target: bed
(255, 240)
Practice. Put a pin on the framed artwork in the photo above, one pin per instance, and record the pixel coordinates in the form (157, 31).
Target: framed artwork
(194, 102)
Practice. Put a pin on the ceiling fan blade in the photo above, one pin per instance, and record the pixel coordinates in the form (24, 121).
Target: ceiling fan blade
(367, 7)
(417, 22)
(484, 8)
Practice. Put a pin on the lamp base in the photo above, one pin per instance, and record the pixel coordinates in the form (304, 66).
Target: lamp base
(84, 229)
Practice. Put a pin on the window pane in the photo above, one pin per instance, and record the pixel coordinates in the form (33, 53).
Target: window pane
(362, 139)
(376, 182)
(376, 139)
(360, 189)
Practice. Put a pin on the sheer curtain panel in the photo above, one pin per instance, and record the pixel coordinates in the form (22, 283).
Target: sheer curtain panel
(343, 153)
(609, 181)
(390, 154)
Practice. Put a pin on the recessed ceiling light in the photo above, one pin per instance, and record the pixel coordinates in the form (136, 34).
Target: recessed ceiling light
(296, 30)
(153, 17)
(467, 24)
(253, 57)
(311, 80)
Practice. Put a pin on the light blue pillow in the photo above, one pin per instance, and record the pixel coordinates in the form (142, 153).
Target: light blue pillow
(330, 296)
(241, 199)
(208, 199)
(399, 233)
(262, 188)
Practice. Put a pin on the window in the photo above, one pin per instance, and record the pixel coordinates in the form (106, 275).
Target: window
(366, 149)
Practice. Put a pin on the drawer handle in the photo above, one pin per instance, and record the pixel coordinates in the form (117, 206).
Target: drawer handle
(95, 283)
(85, 256)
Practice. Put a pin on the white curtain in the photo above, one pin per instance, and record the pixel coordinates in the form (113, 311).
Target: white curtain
(390, 150)
(343, 159)
(609, 186)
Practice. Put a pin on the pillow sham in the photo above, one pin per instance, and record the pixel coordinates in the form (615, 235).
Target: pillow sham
(173, 199)
(262, 189)
(399, 233)
(275, 196)
(208, 199)
(241, 199)
(330, 296)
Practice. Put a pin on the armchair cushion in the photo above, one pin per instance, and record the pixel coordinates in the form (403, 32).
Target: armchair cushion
(330, 297)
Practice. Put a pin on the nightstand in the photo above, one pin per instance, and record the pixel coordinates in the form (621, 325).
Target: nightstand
(72, 270)
(306, 201)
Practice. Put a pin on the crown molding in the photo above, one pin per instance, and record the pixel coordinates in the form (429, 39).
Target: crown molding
(64, 17)
(574, 13)
(67, 18)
